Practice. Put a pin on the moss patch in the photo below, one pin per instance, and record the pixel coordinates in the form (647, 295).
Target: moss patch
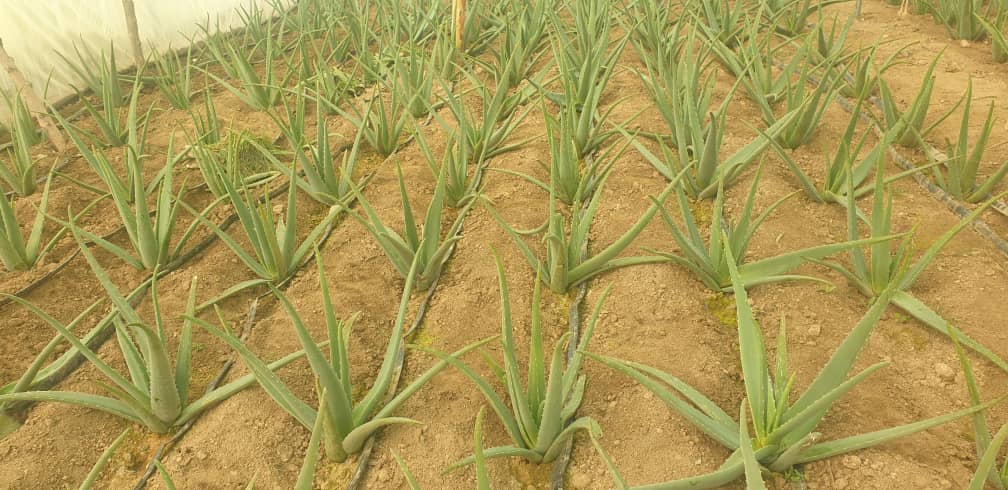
(721, 307)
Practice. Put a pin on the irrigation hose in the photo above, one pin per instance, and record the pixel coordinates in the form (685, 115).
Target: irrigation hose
(904, 163)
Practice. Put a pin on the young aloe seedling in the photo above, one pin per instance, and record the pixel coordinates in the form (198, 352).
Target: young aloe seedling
(174, 76)
(18, 252)
(118, 126)
(791, 17)
(382, 124)
(697, 155)
(810, 105)
(422, 245)
(574, 179)
(150, 230)
(564, 265)
(783, 425)
(156, 394)
(722, 20)
(586, 66)
(541, 418)
(711, 265)
(21, 120)
(346, 423)
(101, 74)
(276, 252)
(883, 268)
(958, 175)
(19, 173)
(258, 92)
(909, 123)
(846, 161)
(520, 48)
(324, 180)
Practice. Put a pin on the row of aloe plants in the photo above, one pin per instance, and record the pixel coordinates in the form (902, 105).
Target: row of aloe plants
(577, 135)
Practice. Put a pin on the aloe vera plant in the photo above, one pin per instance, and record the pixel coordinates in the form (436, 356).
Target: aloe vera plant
(809, 104)
(707, 258)
(563, 265)
(573, 179)
(19, 173)
(156, 394)
(117, 127)
(883, 267)
(910, 121)
(150, 229)
(541, 418)
(276, 251)
(846, 160)
(463, 175)
(383, 124)
(240, 160)
(174, 76)
(522, 40)
(864, 70)
(486, 129)
(414, 73)
(100, 72)
(324, 180)
(21, 120)
(412, 21)
(134, 142)
(585, 70)
(482, 23)
(959, 174)
(783, 423)
(697, 155)
(206, 126)
(830, 44)
(17, 251)
(259, 92)
(346, 423)
(791, 17)
(425, 246)
(723, 20)
(988, 446)
(752, 63)
(653, 30)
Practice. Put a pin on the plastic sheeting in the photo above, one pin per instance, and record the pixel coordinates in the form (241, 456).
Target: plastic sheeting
(37, 32)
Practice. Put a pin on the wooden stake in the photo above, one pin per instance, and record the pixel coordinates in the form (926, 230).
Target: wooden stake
(32, 100)
(460, 18)
(134, 32)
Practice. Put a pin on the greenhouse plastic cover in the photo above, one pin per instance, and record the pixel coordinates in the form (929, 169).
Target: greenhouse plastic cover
(37, 32)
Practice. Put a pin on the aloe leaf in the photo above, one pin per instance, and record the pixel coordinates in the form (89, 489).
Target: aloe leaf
(306, 477)
(753, 478)
(726, 434)
(103, 461)
(848, 444)
(986, 468)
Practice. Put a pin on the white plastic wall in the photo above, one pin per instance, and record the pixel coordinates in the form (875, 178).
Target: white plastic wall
(36, 32)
